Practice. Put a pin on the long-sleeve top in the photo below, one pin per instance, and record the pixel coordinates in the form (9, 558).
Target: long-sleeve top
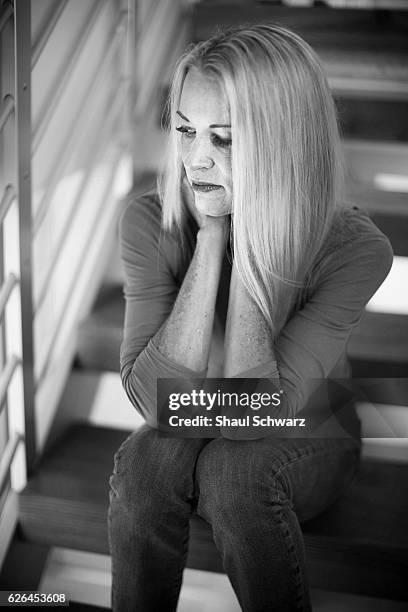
(311, 348)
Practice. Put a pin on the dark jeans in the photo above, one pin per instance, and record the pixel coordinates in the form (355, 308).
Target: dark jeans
(253, 493)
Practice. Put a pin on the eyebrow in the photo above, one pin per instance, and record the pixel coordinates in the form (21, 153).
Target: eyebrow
(213, 125)
(182, 116)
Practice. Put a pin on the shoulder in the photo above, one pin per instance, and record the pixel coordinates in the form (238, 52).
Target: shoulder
(353, 225)
(358, 233)
(354, 248)
(143, 241)
(141, 217)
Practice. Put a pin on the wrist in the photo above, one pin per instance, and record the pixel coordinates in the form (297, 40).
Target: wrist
(215, 230)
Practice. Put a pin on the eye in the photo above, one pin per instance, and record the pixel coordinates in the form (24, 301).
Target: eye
(186, 131)
(223, 143)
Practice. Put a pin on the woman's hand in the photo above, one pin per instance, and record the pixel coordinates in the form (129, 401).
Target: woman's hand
(216, 230)
(219, 227)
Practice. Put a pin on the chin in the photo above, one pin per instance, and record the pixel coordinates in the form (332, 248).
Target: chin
(213, 209)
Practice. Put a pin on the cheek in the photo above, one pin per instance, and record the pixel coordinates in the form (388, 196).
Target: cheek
(226, 170)
(185, 152)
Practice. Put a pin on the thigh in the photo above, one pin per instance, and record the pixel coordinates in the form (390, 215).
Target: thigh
(309, 474)
(316, 472)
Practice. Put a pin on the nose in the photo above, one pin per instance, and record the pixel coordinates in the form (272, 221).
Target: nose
(200, 154)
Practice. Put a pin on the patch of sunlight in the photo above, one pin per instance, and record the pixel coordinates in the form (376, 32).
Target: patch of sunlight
(122, 182)
(391, 182)
(392, 295)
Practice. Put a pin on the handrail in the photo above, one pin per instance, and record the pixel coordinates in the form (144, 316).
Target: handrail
(78, 128)
(89, 165)
(7, 13)
(8, 198)
(66, 73)
(46, 363)
(7, 107)
(22, 55)
(6, 290)
(5, 377)
(8, 456)
(46, 32)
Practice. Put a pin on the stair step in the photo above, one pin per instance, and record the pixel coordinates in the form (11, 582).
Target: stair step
(395, 227)
(359, 545)
(351, 44)
(100, 334)
(378, 347)
(97, 398)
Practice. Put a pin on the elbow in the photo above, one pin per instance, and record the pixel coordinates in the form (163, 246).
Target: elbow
(140, 398)
(126, 378)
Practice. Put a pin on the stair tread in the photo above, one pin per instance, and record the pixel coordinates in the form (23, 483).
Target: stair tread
(360, 545)
(100, 334)
(381, 336)
(108, 309)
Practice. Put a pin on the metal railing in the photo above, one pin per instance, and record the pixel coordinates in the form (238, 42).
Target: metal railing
(5, 378)
(91, 160)
(8, 456)
(43, 367)
(65, 75)
(6, 109)
(22, 54)
(5, 292)
(90, 128)
(5, 14)
(80, 125)
(8, 198)
(24, 140)
(50, 23)
(11, 109)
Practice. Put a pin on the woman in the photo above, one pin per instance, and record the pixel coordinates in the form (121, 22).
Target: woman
(253, 159)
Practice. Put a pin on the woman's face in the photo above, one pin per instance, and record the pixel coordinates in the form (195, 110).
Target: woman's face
(205, 136)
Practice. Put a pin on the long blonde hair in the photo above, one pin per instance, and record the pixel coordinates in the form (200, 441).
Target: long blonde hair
(286, 163)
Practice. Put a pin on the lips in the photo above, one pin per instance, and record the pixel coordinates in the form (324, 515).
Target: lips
(202, 187)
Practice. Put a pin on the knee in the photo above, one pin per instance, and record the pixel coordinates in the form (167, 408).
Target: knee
(235, 477)
(149, 470)
(126, 482)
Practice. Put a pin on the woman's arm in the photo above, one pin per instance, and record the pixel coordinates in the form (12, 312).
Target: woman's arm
(248, 339)
(314, 339)
(186, 336)
(164, 304)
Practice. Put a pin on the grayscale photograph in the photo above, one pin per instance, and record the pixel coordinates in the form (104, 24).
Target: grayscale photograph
(204, 305)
